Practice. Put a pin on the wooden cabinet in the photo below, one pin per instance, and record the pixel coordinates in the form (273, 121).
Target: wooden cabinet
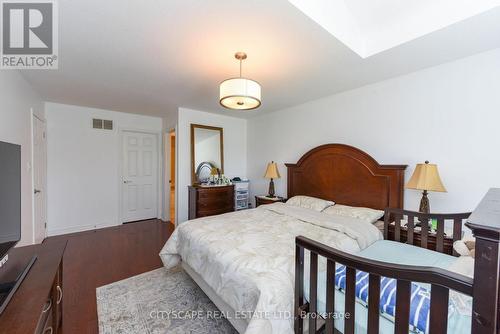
(50, 321)
(210, 201)
(36, 307)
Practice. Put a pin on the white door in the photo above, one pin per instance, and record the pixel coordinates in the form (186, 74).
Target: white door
(139, 176)
(39, 180)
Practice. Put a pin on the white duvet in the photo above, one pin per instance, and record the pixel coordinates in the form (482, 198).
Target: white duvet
(248, 257)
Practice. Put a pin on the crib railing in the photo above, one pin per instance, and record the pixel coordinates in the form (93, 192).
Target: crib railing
(401, 225)
(441, 281)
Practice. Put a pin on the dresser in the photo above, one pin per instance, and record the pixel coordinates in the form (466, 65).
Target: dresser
(36, 307)
(210, 201)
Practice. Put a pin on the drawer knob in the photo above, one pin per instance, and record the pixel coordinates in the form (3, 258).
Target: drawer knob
(59, 294)
(48, 306)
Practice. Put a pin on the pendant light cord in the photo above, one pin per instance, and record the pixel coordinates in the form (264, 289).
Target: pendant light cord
(241, 61)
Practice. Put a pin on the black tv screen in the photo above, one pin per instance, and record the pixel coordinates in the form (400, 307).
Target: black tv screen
(10, 196)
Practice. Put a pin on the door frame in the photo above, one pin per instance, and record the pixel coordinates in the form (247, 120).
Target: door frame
(33, 206)
(167, 173)
(159, 152)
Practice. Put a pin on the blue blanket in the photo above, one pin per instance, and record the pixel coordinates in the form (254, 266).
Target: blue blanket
(420, 297)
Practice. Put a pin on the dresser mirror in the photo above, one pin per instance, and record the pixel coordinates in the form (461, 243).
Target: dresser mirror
(207, 152)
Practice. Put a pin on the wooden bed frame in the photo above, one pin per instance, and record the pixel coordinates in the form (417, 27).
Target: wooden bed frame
(348, 176)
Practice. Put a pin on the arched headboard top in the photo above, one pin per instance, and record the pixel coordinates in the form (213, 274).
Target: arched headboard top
(347, 175)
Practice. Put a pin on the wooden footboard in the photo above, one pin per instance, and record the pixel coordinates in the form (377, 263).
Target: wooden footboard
(484, 289)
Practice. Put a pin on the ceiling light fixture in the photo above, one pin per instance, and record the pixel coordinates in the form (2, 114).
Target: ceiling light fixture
(240, 93)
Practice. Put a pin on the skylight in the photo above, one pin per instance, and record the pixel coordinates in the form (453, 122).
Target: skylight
(370, 27)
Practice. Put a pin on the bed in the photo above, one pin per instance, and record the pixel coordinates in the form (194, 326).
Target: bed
(345, 173)
(249, 262)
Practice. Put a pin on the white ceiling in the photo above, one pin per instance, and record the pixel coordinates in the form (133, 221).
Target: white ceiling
(153, 56)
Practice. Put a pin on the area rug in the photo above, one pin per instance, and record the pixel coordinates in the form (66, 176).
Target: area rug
(160, 301)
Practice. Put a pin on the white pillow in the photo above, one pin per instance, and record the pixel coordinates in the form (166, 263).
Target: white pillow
(308, 202)
(365, 214)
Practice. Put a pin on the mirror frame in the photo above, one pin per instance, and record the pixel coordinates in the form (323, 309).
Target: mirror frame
(194, 179)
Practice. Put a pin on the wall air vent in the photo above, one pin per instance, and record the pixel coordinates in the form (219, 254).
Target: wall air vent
(102, 124)
(97, 123)
(107, 125)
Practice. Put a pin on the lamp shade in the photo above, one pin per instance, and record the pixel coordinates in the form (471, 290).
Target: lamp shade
(240, 93)
(426, 177)
(272, 171)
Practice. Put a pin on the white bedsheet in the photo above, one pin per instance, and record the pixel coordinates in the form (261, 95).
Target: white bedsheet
(247, 257)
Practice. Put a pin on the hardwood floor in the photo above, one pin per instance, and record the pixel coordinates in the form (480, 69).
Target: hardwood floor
(100, 257)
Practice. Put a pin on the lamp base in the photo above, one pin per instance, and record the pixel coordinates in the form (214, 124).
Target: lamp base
(271, 189)
(424, 203)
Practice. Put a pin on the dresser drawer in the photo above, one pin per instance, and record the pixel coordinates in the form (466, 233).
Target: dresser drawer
(209, 201)
(215, 192)
(46, 320)
(217, 198)
(213, 212)
(213, 204)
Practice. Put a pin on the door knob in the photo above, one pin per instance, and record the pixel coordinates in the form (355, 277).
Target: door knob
(37, 191)
(127, 181)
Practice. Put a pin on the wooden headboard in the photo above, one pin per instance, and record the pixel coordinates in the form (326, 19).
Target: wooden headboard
(347, 175)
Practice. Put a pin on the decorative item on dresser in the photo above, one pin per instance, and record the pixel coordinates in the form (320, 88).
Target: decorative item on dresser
(261, 200)
(272, 173)
(426, 178)
(210, 200)
(36, 307)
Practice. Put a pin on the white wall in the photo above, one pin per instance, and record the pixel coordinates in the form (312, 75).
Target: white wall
(235, 150)
(16, 99)
(449, 115)
(83, 166)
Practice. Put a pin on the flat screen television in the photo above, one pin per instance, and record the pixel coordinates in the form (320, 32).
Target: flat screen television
(12, 275)
(10, 196)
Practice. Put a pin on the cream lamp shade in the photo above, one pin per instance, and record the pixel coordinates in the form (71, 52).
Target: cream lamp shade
(272, 171)
(426, 177)
(240, 93)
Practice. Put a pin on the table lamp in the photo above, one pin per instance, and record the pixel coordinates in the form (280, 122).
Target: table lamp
(272, 173)
(426, 178)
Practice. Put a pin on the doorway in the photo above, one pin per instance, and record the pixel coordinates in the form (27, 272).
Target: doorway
(172, 146)
(139, 179)
(39, 141)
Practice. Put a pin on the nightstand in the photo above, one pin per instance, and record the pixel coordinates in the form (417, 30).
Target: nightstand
(261, 200)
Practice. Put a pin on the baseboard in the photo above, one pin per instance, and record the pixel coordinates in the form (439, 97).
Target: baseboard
(79, 228)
